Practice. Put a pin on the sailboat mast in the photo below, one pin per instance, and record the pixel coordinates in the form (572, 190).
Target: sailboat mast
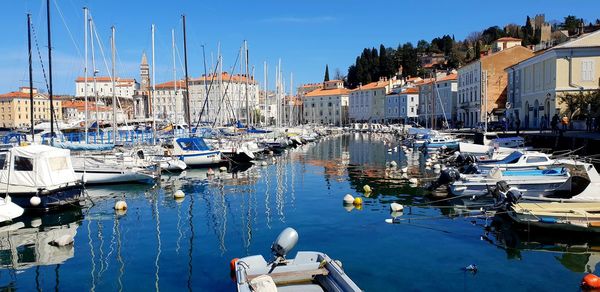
(247, 79)
(153, 91)
(291, 105)
(50, 74)
(30, 75)
(85, 70)
(186, 98)
(114, 96)
(174, 72)
(266, 90)
(94, 89)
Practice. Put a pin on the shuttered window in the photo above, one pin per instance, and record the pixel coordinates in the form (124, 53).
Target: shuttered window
(587, 70)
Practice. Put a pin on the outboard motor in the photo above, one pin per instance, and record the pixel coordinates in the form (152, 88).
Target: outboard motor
(470, 168)
(447, 176)
(284, 243)
(505, 195)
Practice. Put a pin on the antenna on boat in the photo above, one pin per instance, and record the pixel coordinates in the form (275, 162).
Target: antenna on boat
(30, 75)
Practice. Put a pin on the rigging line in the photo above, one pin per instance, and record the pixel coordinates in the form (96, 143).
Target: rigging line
(37, 47)
(227, 87)
(68, 29)
(212, 79)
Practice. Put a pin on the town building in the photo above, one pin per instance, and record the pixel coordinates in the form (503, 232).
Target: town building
(124, 87)
(222, 97)
(327, 105)
(168, 100)
(505, 43)
(536, 84)
(367, 102)
(409, 104)
(15, 108)
(482, 85)
(437, 101)
(74, 111)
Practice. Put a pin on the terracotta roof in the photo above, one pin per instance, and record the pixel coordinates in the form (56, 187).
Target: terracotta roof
(225, 77)
(312, 85)
(105, 79)
(410, 90)
(372, 85)
(19, 94)
(508, 39)
(326, 92)
(171, 84)
(80, 105)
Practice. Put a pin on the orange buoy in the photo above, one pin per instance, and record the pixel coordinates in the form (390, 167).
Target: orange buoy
(590, 281)
(232, 264)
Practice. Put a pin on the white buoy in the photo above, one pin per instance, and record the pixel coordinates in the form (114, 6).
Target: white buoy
(348, 199)
(413, 180)
(393, 164)
(390, 150)
(395, 207)
(35, 201)
(396, 149)
(264, 163)
(120, 205)
(389, 221)
(437, 166)
(428, 168)
(179, 194)
(404, 169)
(223, 168)
(62, 240)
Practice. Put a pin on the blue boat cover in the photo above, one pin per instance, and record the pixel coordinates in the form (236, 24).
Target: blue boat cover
(192, 144)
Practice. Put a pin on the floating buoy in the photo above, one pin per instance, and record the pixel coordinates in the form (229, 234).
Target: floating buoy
(348, 199)
(179, 200)
(179, 194)
(437, 166)
(264, 163)
(357, 201)
(396, 214)
(232, 264)
(210, 172)
(389, 150)
(393, 164)
(395, 207)
(413, 180)
(367, 189)
(389, 221)
(62, 241)
(590, 281)
(35, 201)
(120, 205)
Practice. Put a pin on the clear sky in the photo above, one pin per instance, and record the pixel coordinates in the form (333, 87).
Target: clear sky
(306, 34)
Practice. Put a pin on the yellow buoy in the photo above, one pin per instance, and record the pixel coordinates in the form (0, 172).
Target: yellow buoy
(120, 205)
(367, 189)
(358, 201)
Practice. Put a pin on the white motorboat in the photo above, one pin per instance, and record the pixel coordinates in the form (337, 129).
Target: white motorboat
(309, 271)
(195, 152)
(108, 168)
(518, 160)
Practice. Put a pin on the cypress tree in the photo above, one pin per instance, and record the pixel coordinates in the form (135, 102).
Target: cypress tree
(326, 73)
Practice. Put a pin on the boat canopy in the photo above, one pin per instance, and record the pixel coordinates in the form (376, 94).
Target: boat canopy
(37, 166)
(192, 144)
(83, 146)
(511, 158)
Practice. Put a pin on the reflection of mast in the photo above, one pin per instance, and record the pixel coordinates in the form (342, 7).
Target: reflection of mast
(158, 240)
(93, 254)
(179, 231)
(267, 195)
(119, 256)
(279, 195)
(56, 275)
(224, 212)
(191, 247)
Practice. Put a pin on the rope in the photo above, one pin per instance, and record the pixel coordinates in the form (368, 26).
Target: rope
(37, 47)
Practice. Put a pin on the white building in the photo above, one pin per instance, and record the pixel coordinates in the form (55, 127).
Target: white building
(124, 87)
(168, 101)
(438, 100)
(226, 97)
(74, 111)
(327, 105)
(409, 104)
(367, 102)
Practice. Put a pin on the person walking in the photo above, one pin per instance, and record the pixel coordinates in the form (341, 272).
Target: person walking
(518, 124)
(554, 124)
(565, 122)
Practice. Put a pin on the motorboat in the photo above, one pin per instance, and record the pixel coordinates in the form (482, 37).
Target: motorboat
(109, 168)
(39, 177)
(195, 152)
(581, 217)
(308, 271)
(441, 141)
(519, 160)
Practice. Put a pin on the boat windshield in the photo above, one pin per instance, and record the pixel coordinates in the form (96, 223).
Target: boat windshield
(512, 158)
(192, 144)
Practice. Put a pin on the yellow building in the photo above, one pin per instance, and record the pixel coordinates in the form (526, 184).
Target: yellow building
(535, 83)
(15, 108)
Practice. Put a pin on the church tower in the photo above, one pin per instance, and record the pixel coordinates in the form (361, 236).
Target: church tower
(145, 74)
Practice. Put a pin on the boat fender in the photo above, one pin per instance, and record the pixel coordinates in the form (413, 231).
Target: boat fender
(35, 201)
(121, 205)
(179, 194)
(339, 263)
(348, 199)
(367, 189)
(357, 201)
(232, 264)
(590, 281)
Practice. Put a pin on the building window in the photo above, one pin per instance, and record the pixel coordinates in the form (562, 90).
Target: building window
(587, 70)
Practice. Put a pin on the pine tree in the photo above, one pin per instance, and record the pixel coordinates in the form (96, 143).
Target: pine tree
(326, 73)
(477, 50)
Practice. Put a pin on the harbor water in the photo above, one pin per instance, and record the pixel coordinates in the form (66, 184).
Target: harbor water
(161, 243)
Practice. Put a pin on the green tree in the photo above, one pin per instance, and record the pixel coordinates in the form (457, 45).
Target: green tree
(572, 24)
(477, 50)
(326, 73)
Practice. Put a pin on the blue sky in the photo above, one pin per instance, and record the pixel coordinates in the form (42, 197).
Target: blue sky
(306, 35)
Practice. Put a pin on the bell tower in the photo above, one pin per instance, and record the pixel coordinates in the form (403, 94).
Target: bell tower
(145, 74)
